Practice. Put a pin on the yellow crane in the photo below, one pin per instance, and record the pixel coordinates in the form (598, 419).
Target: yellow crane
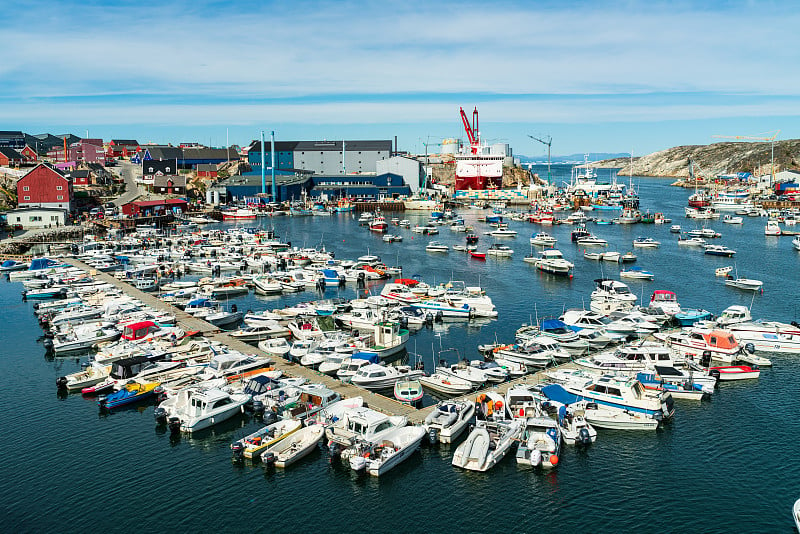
(762, 137)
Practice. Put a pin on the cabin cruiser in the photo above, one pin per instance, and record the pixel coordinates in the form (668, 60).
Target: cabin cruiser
(543, 239)
(378, 377)
(194, 409)
(665, 301)
(551, 261)
(235, 364)
(770, 336)
(721, 345)
(84, 336)
(611, 295)
(357, 427)
(500, 251)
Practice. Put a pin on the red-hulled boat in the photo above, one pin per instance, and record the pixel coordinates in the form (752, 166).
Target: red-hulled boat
(477, 255)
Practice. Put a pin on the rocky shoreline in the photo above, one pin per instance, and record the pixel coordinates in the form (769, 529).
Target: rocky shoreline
(710, 160)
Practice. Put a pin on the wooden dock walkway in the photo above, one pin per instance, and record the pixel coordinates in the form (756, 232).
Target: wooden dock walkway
(188, 323)
(376, 401)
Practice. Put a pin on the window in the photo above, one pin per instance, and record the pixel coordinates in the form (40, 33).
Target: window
(59, 188)
(26, 198)
(60, 197)
(26, 188)
(54, 218)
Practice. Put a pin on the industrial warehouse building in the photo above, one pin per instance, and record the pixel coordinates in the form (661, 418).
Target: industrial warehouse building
(321, 157)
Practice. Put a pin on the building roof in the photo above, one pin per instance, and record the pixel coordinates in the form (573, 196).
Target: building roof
(207, 153)
(207, 167)
(125, 142)
(10, 153)
(10, 133)
(349, 146)
(35, 208)
(149, 203)
(255, 179)
(321, 146)
(79, 174)
(48, 166)
(162, 181)
(163, 152)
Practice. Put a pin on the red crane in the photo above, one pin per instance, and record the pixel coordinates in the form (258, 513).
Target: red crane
(472, 130)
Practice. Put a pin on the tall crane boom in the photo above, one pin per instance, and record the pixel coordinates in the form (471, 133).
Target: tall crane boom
(471, 130)
(547, 143)
(749, 137)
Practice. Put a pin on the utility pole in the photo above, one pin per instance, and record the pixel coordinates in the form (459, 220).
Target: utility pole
(263, 170)
(549, 142)
(272, 153)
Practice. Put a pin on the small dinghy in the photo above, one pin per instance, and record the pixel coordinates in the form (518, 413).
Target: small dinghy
(477, 255)
(723, 271)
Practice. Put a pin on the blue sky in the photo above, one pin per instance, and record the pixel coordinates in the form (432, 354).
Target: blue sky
(596, 76)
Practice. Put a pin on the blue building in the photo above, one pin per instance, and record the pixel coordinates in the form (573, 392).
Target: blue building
(360, 187)
(284, 155)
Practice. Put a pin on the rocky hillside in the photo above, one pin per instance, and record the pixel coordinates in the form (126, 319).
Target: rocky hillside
(714, 159)
(445, 174)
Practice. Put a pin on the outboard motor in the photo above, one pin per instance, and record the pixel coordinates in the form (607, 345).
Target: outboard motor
(174, 425)
(439, 317)
(268, 458)
(237, 451)
(160, 415)
(258, 408)
(404, 322)
(433, 436)
(428, 319)
(749, 348)
(584, 437)
(361, 281)
(160, 394)
(85, 365)
(61, 382)
(234, 308)
(342, 281)
(705, 360)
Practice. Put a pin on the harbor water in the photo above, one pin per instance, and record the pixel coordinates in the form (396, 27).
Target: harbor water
(727, 464)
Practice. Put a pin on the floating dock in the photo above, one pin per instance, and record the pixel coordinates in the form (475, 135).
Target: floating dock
(376, 401)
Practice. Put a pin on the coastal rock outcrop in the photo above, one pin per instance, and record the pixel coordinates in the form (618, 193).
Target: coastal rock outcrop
(711, 160)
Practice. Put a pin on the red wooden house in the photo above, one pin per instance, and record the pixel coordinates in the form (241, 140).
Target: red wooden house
(10, 157)
(122, 148)
(45, 186)
(206, 170)
(29, 154)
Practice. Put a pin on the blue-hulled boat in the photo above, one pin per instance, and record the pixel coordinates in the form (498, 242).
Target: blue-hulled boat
(12, 265)
(690, 316)
(130, 393)
(45, 293)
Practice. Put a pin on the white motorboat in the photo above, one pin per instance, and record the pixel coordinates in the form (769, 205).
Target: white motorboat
(394, 447)
(294, 447)
(540, 443)
(234, 364)
(543, 239)
(718, 250)
(503, 232)
(592, 240)
(748, 284)
(436, 246)
(85, 336)
(93, 374)
(378, 377)
(772, 228)
(448, 419)
(730, 219)
(360, 426)
(770, 336)
(636, 273)
(266, 285)
(446, 384)
(466, 372)
(499, 251)
(646, 242)
(796, 514)
(494, 372)
(692, 241)
(487, 444)
(194, 409)
(575, 429)
(720, 345)
(262, 332)
(551, 261)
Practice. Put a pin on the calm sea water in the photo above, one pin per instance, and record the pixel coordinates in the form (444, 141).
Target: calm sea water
(724, 465)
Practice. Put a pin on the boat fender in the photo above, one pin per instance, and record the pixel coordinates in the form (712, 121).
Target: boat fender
(553, 459)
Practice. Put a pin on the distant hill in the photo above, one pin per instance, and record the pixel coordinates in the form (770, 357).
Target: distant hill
(574, 158)
(711, 160)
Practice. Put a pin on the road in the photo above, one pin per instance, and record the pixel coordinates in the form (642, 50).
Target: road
(129, 171)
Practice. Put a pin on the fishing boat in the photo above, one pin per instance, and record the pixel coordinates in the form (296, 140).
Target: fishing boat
(408, 391)
(238, 214)
(379, 225)
(448, 419)
(294, 447)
